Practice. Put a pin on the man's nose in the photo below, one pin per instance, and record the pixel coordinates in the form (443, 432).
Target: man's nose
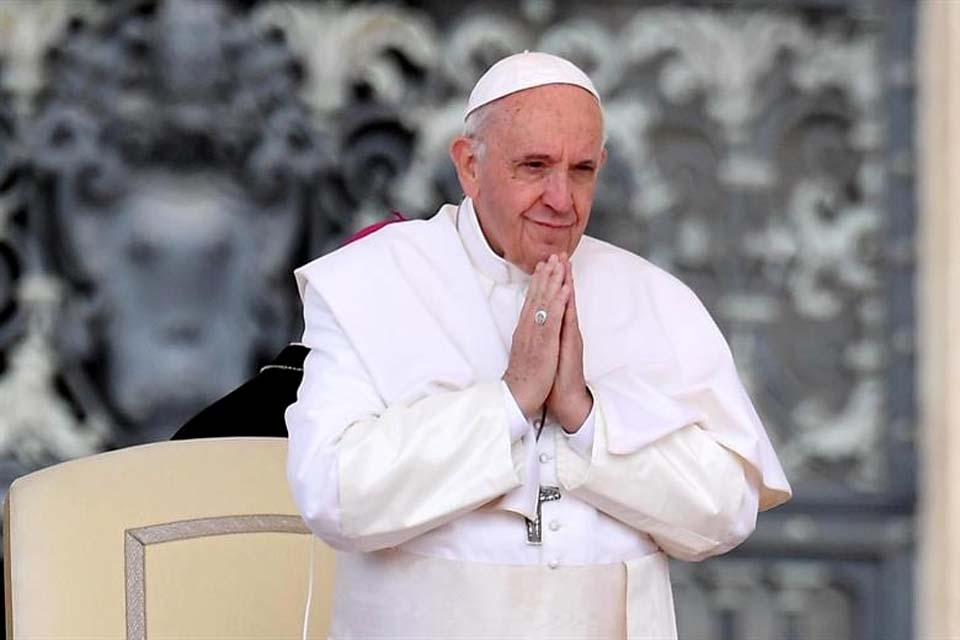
(556, 191)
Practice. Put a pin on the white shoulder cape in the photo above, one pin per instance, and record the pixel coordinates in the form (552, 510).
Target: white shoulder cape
(410, 302)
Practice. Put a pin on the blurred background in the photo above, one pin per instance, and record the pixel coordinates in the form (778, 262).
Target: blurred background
(165, 164)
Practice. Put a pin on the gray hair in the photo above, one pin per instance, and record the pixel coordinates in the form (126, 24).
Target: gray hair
(475, 127)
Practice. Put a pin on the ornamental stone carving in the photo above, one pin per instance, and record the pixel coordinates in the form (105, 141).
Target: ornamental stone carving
(175, 170)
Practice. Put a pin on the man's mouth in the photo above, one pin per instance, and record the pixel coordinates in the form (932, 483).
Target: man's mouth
(552, 225)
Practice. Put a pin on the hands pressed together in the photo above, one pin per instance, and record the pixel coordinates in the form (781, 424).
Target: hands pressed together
(546, 360)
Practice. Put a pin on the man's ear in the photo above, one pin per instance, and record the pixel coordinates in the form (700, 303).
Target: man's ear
(464, 157)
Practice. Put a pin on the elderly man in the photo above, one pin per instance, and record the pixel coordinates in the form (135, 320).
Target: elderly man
(505, 425)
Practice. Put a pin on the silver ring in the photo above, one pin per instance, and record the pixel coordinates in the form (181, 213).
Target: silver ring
(540, 317)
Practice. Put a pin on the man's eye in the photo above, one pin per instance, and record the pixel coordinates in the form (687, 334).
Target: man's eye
(534, 164)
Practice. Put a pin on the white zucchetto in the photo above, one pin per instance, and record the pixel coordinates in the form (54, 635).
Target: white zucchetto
(525, 71)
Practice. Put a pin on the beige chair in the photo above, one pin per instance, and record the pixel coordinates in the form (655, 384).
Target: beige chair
(189, 539)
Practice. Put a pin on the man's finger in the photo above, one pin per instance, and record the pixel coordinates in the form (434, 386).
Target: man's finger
(570, 317)
(554, 278)
(550, 279)
(571, 312)
(557, 307)
(534, 289)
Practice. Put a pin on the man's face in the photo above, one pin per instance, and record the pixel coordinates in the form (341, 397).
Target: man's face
(533, 184)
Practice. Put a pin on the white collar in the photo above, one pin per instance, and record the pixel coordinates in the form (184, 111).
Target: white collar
(478, 249)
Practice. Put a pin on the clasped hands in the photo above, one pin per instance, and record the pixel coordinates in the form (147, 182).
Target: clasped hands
(546, 360)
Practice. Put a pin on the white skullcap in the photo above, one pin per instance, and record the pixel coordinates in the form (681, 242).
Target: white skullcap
(525, 71)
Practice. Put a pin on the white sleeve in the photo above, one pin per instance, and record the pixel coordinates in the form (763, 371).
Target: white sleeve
(581, 440)
(367, 476)
(690, 494)
(688, 488)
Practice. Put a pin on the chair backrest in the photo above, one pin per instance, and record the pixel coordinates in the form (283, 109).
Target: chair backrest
(190, 539)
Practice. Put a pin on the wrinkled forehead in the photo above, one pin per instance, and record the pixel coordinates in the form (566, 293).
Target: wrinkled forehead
(556, 95)
(545, 111)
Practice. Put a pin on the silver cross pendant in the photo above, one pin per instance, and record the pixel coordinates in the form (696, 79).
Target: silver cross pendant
(534, 529)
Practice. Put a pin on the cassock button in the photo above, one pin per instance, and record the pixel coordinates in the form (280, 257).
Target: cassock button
(545, 458)
(554, 525)
(553, 564)
(538, 423)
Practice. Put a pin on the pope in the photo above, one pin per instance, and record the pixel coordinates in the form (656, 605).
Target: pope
(505, 426)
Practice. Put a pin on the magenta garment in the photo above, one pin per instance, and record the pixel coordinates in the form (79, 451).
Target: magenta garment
(395, 216)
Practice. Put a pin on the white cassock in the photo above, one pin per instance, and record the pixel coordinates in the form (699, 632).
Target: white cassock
(409, 455)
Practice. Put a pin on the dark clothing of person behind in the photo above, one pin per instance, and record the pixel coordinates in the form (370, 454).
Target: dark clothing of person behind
(255, 408)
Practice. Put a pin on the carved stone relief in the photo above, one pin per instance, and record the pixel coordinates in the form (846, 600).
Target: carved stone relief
(746, 599)
(27, 29)
(172, 171)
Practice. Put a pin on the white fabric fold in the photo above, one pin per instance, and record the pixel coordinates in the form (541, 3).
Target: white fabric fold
(395, 594)
(649, 612)
(581, 440)
(696, 501)
(523, 499)
(388, 478)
